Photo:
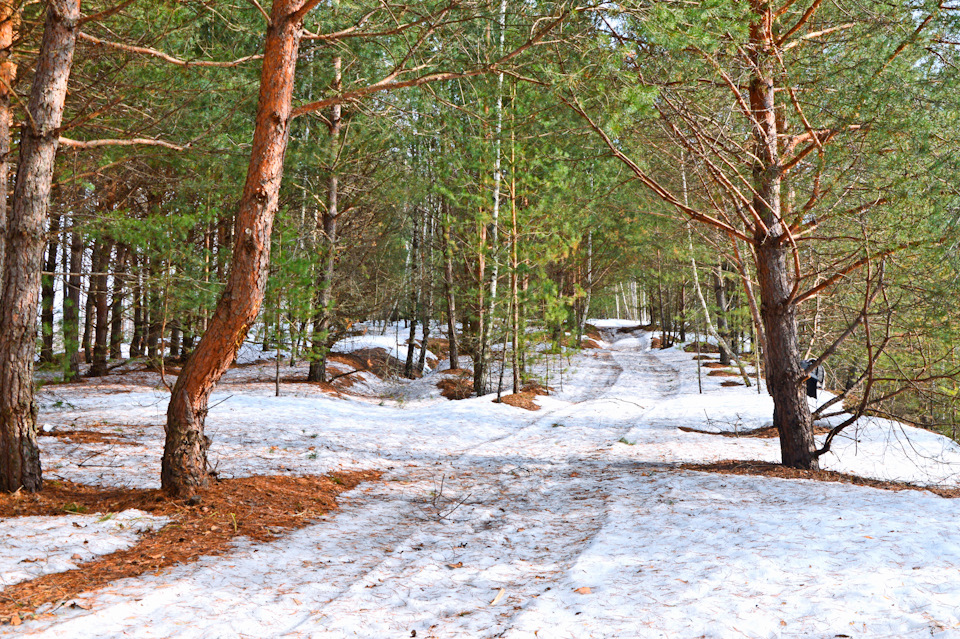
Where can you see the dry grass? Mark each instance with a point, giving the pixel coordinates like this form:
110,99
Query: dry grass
258,508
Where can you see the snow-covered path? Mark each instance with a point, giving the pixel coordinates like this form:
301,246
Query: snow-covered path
570,522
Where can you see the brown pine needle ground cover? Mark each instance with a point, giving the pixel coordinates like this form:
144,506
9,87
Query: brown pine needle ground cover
258,508
524,399
768,469
457,383
723,373
90,437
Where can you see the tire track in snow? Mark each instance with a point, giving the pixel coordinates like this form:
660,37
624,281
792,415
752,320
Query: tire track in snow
499,494
515,513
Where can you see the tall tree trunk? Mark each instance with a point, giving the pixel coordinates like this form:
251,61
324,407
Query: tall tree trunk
19,455
415,294
184,466
324,318
175,337
71,303
479,319
47,291
791,413
426,288
86,342
116,303
723,325
153,317
514,277
98,289
136,342
448,284
9,19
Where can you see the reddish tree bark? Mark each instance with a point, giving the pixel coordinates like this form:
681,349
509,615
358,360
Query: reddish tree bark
19,455
184,466
9,16
778,307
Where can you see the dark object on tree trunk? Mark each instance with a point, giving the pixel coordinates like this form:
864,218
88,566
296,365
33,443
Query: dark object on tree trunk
815,380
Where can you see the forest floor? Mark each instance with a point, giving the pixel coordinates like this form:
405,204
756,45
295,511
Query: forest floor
615,510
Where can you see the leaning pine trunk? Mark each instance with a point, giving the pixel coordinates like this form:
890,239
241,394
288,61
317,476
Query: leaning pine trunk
184,466
19,455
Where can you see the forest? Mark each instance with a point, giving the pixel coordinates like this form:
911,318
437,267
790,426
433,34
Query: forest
773,183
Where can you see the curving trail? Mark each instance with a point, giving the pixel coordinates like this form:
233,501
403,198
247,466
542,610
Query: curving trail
569,522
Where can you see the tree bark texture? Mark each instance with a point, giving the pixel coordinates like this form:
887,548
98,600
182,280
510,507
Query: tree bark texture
9,16
19,455
184,465
778,310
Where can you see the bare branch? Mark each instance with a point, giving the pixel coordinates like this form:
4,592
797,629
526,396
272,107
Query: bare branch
94,144
816,34
164,56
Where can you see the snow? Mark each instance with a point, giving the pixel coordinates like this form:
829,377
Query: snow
480,498
394,345
35,546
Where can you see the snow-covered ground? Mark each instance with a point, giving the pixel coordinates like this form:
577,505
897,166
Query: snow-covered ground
573,521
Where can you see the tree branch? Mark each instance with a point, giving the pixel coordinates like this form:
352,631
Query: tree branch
164,56
93,144
389,83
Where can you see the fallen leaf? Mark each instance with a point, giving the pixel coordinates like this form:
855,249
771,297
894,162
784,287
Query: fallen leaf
15,620
76,555
584,591
459,564
499,596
